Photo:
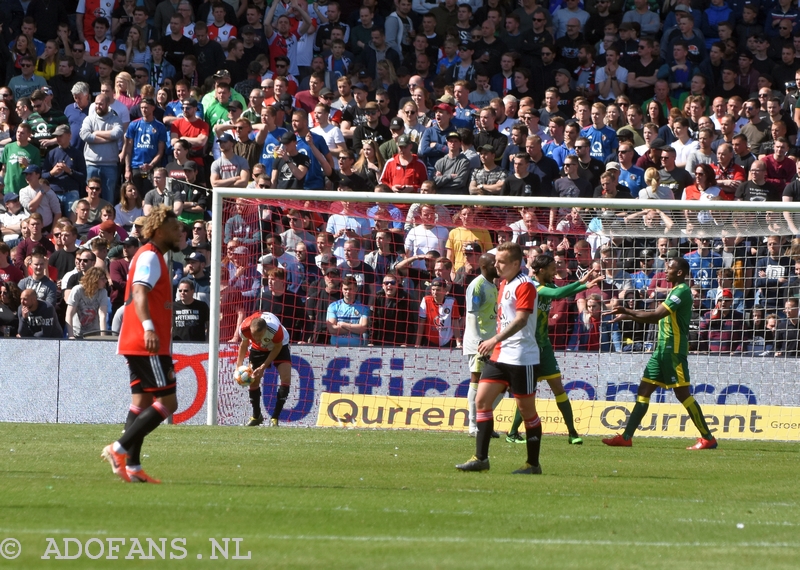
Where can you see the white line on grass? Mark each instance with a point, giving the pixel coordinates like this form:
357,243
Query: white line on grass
537,541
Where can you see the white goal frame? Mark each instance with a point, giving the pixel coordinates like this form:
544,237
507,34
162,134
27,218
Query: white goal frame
437,199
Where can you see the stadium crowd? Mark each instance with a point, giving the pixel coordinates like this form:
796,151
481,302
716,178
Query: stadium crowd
108,109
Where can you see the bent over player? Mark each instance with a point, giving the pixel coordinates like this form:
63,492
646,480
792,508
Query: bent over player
513,355
145,342
269,345
668,366
544,270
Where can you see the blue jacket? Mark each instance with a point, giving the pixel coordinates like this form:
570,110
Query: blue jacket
713,16
430,154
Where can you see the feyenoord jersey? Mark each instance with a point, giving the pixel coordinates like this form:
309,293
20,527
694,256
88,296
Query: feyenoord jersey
99,49
149,269
276,333
221,33
520,348
481,300
438,319
93,9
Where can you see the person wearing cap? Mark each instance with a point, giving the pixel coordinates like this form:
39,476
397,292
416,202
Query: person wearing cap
11,219
229,170
38,197
64,167
191,128
453,171
354,113
433,144
389,148
404,172
196,271
722,329
145,143
290,167
44,120
465,68
372,129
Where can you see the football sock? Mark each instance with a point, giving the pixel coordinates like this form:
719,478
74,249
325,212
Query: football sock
147,421
255,401
134,450
283,394
485,422
516,423
639,410
473,391
699,420
533,441
564,405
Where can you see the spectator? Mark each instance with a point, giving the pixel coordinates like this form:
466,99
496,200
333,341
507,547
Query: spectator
772,274
16,157
159,195
11,219
294,272
440,322
426,236
466,233
383,259
38,197
722,329
757,188
704,263
37,319
196,273
87,306
65,168
322,295
190,316
453,170
404,172
118,270
63,259
35,239
38,281
347,320
593,332
391,314
363,273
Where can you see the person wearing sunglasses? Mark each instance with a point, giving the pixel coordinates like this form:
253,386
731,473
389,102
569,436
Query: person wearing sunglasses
392,314
27,82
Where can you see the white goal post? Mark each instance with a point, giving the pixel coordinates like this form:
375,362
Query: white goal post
749,214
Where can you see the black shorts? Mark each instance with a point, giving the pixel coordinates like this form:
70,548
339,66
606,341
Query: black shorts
257,358
152,375
521,379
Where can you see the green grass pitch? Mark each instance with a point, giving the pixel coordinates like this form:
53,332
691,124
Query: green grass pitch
322,498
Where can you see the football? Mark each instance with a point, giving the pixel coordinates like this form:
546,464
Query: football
243,375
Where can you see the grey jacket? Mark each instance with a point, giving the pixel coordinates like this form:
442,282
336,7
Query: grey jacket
455,175
101,152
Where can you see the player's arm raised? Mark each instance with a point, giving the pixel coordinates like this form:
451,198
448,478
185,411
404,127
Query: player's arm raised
647,317
142,308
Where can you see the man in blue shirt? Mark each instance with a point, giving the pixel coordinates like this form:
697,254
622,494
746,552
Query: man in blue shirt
145,142
315,148
269,137
347,320
630,176
704,264
603,138
77,112
65,168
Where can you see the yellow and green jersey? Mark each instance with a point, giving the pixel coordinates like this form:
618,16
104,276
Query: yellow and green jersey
481,299
547,293
673,330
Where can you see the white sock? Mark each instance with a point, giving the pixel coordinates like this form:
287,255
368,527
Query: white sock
473,412
133,468
118,448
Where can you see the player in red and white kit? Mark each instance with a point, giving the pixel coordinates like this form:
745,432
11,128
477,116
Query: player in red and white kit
513,355
145,342
219,30
268,342
440,323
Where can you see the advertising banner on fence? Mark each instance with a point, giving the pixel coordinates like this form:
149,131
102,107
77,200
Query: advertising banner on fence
87,382
591,418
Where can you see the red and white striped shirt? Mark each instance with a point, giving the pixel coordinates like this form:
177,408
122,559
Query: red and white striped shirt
438,319
520,348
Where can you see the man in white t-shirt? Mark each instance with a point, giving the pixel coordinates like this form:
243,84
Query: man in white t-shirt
426,236
331,133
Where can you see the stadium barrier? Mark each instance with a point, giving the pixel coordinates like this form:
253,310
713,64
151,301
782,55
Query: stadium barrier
86,382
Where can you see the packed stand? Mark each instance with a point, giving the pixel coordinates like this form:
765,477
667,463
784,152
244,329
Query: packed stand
108,109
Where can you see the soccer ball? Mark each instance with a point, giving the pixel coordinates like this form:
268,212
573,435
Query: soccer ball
243,376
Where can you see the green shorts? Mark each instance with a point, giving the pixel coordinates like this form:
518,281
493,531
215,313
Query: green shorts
547,369
667,370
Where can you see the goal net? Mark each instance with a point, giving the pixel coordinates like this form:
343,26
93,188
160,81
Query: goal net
295,253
